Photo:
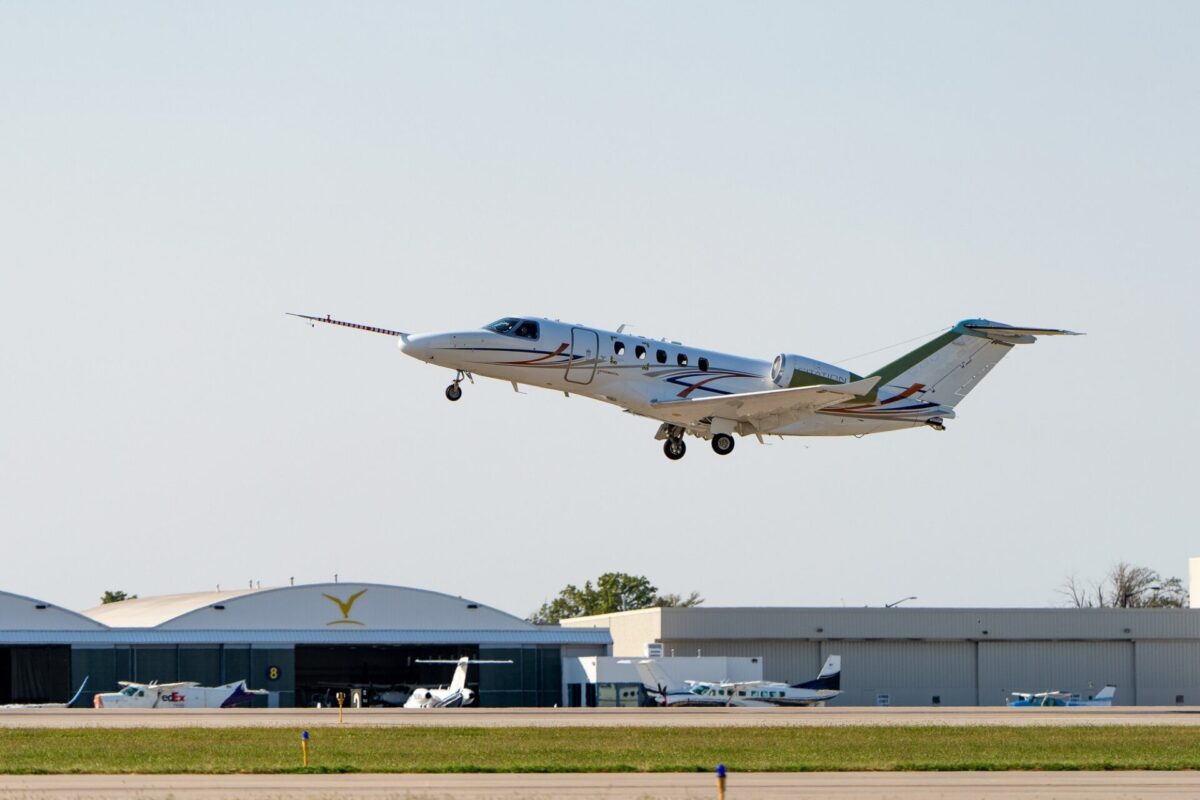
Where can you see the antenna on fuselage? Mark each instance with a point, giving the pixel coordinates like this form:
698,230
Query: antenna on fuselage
621,327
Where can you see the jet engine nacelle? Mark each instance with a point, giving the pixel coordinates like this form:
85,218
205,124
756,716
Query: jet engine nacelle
793,370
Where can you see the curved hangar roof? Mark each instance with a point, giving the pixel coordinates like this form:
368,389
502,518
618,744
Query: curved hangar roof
320,606
21,613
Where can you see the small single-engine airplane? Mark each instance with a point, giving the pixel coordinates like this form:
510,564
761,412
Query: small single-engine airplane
714,395
67,704
669,692
183,694
456,695
1103,699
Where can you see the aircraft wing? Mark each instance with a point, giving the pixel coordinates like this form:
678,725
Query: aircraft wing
753,406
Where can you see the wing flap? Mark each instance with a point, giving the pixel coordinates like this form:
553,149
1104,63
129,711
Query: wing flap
756,405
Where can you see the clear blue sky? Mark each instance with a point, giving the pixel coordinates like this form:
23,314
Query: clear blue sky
824,179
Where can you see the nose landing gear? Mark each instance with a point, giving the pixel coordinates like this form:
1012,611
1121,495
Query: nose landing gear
937,423
454,390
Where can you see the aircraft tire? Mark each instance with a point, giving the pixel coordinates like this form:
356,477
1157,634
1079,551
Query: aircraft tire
453,392
674,448
722,444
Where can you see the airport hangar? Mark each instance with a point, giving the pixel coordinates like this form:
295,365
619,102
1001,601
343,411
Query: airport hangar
294,641
936,656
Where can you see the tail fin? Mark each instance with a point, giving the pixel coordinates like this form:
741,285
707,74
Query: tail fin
459,681
942,371
82,686
830,676
1106,694
655,677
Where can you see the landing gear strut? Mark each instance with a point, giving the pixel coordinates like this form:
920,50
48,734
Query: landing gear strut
722,444
674,448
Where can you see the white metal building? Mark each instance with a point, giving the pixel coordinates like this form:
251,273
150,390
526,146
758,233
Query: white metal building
938,656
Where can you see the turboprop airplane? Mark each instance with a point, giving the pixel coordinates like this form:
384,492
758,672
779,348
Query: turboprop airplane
1103,699
826,686
456,695
712,395
183,694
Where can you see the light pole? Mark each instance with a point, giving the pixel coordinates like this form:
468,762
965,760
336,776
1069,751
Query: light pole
901,600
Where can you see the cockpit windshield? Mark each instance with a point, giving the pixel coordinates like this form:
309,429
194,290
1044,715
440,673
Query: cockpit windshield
514,326
129,691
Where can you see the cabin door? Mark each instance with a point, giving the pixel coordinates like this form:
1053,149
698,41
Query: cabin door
585,352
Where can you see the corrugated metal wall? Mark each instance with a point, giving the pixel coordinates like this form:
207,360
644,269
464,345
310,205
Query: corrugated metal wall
1083,667
910,673
783,660
1166,673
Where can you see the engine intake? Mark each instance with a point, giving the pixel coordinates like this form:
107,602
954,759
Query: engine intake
790,371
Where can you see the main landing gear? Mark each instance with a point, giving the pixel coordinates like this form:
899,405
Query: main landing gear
454,390
722,444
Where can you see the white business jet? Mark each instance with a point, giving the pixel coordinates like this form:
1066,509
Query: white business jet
714,395
456,695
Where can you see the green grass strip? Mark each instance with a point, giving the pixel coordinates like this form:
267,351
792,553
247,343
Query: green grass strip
413,749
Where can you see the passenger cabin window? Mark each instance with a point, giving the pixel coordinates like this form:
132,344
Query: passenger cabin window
660,356
640,351
703,364
681,359
619,348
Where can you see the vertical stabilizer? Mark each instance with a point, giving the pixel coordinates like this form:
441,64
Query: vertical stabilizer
459,682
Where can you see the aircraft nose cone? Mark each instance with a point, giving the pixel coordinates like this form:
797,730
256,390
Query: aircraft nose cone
420,346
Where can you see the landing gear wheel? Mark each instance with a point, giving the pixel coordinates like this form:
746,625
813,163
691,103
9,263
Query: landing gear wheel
722,444
453,392
674,448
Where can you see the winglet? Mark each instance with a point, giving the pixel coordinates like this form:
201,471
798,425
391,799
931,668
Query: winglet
331,321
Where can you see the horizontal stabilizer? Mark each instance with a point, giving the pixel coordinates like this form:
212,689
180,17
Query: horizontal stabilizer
756,405
1001,332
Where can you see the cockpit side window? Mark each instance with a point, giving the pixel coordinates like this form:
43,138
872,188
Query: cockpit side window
504,326
527,330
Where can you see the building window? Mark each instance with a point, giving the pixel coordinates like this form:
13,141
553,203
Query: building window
681,359
640,351
619,348
702,362
937,699
1179,699
661,356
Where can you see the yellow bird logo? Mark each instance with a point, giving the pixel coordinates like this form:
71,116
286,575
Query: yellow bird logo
344,606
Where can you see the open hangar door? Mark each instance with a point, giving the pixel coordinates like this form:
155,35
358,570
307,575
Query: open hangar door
35,674
374,674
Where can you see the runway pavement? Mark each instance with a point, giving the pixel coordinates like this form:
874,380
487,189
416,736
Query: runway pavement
658,786
596,717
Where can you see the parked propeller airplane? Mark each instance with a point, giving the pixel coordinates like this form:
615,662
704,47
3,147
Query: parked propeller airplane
714,395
